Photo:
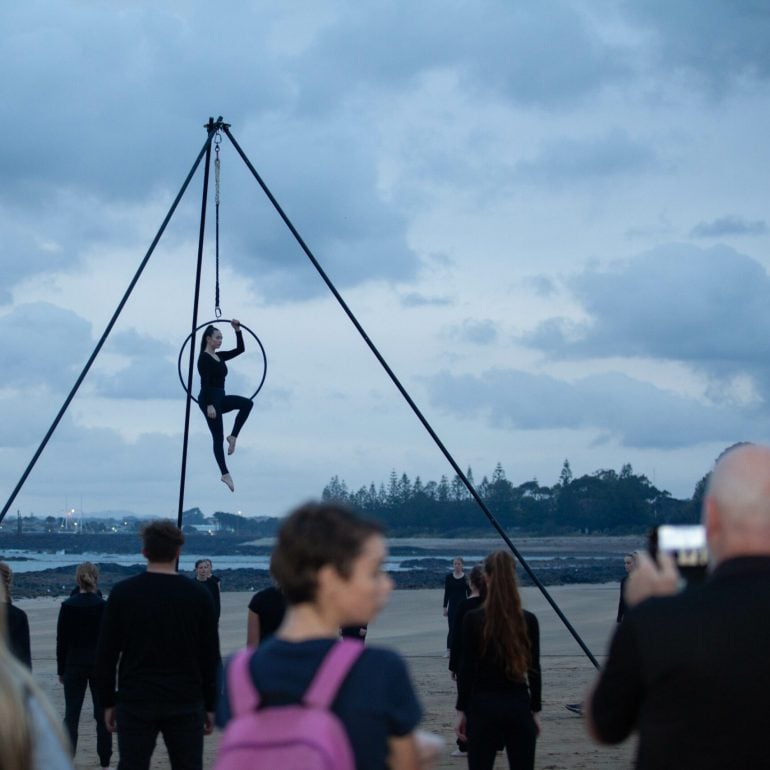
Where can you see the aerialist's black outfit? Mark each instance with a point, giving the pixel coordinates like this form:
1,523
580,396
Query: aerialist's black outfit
212,393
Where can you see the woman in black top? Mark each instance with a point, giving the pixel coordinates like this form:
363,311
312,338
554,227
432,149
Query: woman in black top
77,632
499,681
212,399
455,591
212,583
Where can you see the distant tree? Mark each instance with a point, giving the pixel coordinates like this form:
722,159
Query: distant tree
442,493
565,477
403,489
335,490
458,490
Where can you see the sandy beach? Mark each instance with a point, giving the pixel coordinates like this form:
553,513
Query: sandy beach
413,624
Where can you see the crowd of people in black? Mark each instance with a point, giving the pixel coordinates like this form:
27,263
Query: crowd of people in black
686,669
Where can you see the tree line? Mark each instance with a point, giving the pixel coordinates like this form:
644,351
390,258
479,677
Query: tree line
606,501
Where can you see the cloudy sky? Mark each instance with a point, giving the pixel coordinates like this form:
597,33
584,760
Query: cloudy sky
551,218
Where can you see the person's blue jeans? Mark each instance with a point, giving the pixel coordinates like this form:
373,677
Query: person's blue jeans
75,680
181,726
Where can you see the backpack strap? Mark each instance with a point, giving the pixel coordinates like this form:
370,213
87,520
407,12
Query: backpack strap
332,672
241,692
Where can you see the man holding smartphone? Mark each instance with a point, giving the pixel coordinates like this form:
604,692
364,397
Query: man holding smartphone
690,670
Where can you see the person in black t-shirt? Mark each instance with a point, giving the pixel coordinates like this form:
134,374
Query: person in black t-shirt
211,582
266,610
159,633
213,401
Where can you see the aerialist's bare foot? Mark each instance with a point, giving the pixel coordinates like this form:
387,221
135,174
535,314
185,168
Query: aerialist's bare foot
228,479
231,444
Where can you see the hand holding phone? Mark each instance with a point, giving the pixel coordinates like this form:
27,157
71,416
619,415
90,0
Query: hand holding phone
649,579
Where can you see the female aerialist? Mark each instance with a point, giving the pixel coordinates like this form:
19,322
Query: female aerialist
212,399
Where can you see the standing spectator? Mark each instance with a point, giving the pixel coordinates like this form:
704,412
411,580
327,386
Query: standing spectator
329,564
162,629
17,624
266,611
203,574
474,601
628,562
689,671
77,632
30,737
455,590
499,682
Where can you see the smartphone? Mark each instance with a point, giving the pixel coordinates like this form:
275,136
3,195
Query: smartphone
686,543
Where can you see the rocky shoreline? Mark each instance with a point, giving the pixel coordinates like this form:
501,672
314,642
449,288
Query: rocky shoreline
555,560
559,571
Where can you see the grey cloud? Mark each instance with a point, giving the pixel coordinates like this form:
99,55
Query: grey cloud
535,54
151,370
709,308
619,407
117,472
130,130
44,345
542,285
477,332
728,225
415,299
576,159
716,41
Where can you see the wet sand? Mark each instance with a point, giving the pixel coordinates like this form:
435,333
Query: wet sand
413,624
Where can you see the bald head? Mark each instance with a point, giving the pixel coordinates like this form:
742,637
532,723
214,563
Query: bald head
736,509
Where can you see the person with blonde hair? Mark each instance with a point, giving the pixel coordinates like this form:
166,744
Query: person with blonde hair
499,681
77,632
30,738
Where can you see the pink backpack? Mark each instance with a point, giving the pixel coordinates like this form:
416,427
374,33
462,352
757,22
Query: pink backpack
302,736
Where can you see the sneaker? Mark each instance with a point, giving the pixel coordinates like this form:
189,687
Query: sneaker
575,708
458,753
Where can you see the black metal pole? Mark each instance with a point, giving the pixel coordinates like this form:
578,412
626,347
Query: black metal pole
105,334
471,489
212,128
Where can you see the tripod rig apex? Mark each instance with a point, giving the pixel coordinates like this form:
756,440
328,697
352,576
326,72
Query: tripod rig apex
215,125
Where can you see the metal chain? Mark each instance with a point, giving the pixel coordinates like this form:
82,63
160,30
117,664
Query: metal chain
217,142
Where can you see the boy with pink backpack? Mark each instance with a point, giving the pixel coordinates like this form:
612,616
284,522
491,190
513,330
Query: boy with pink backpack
305,699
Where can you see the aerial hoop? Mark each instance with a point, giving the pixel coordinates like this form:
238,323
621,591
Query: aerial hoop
224,321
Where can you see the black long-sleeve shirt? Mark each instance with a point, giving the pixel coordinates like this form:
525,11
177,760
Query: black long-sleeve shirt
17,629
455,590
483,672
163,629
77,631
213,372
455,651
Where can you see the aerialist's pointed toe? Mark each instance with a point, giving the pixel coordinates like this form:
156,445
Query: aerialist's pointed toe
231,444
228,480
